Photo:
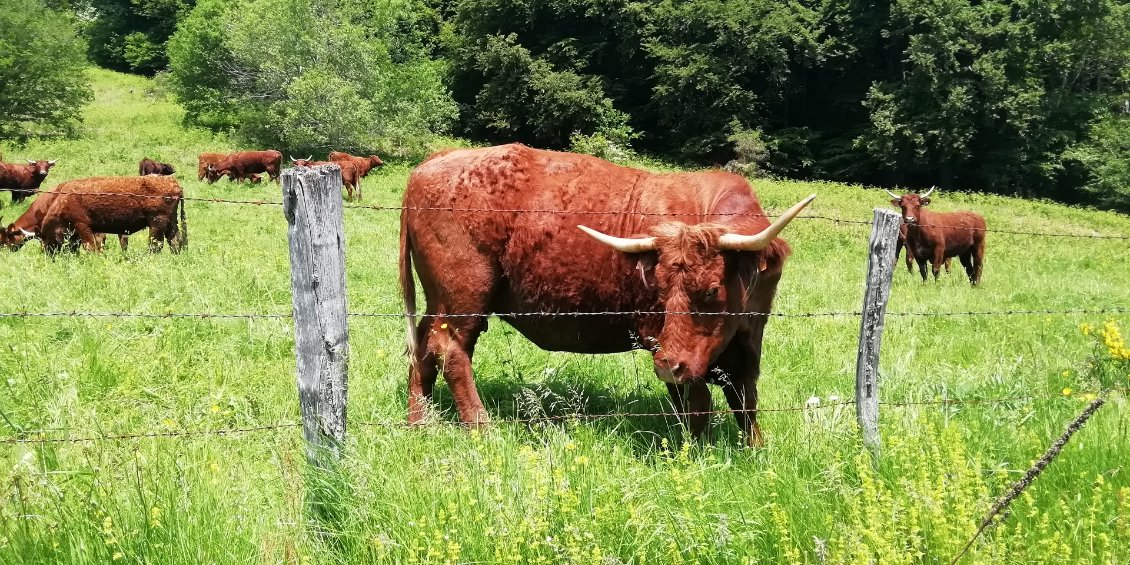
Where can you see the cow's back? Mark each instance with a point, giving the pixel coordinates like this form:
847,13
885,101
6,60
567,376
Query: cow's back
116,204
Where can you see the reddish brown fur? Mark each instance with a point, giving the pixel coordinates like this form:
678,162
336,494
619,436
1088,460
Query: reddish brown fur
901,243
350,174
206,159
363,164
23,180
936,236
31,221
496,262
112,205
148,166
240,165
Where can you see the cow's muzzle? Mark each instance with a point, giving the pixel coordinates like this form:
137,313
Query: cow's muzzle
670,370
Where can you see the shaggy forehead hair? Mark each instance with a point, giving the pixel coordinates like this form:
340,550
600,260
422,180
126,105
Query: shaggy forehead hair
680,242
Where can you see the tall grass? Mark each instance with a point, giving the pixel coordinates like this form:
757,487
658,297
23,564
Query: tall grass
609,491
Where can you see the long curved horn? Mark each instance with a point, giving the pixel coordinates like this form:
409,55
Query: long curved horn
929,191
31,161
27,233
893,195
310,158
52,161
738,242
625,244
292,159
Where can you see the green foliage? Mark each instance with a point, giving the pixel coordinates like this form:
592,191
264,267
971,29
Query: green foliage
324,78
750,151
43,86
130,35
1106,158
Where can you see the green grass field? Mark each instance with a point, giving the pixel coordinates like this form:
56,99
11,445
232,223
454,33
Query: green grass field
622,490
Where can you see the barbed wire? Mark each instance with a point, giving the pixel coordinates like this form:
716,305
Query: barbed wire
378,207
35,437
284,315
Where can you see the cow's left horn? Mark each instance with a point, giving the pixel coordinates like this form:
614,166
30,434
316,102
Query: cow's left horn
625,244
893,195
31,161
929,191
738,242
27,233
52,161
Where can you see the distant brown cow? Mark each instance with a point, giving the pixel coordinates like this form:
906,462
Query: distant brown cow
148,166
121,205
242,164
364,164
29,224
935,236
23,180
205,159
350,175
694,252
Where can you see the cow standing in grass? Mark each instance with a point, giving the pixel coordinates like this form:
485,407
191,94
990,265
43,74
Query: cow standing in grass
206,159
363,164
350,173
696,245
23,180
121,205
901,243
30,223
936,236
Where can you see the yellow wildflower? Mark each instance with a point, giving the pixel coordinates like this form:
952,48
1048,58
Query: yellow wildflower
117,555
215,408
570,446
1085,329
1067,391
1066,374
443,326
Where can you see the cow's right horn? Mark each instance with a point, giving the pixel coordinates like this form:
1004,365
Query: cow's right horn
31,161
625,244
893,195
738,242
929,191
27,233
292,159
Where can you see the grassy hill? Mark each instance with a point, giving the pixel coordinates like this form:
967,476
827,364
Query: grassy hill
622,490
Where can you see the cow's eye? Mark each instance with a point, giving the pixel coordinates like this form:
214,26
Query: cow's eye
712,292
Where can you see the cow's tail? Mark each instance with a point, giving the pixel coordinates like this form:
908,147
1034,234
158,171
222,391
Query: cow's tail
408,289
182,233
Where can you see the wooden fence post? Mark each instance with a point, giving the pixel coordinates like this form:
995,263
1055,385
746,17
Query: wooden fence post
313,209
880,268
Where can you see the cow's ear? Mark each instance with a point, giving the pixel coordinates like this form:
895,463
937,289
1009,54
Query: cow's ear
896,203
645,265
926,201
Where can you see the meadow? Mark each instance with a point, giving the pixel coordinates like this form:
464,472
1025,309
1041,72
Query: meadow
616,490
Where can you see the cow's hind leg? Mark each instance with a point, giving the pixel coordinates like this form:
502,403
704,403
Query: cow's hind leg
978,260
692,405
157,230
452,342
967,263
422,373
921,267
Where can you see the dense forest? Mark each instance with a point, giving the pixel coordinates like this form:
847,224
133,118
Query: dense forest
1026,97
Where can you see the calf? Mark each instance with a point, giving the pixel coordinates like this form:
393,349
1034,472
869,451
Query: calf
350,174
148,166
241,165
29,224
121,205
23,180
205,159
935,236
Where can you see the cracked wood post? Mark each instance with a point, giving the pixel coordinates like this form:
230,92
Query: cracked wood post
880,269
316,233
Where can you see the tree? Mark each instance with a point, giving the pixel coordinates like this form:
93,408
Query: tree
43,85
131,35
324,78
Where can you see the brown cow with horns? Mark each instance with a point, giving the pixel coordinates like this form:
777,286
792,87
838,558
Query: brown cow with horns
697,246
937,236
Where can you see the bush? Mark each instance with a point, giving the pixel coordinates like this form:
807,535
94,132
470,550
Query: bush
322,78
750,152
131,35
43,86
1106,158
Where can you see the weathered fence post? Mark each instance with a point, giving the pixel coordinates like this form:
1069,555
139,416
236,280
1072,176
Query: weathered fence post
880,268
313,210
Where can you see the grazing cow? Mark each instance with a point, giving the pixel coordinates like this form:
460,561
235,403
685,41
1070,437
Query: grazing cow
364,164
121,205
936,236
682,243
23,180
910,254
350,174
29,224
240,165
148,166
205,159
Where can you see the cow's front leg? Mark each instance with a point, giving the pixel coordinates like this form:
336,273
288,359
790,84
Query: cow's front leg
692,405
938,259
